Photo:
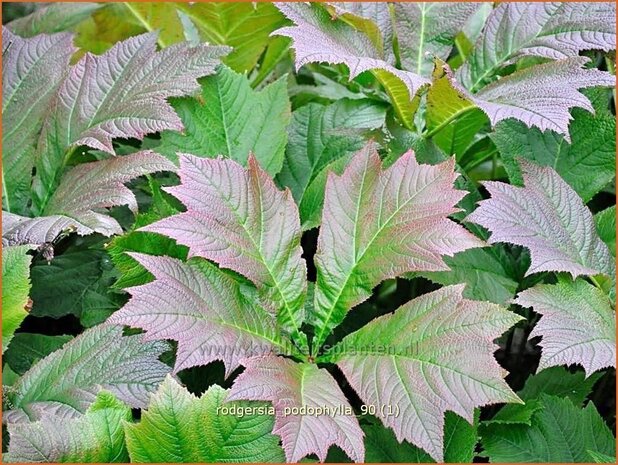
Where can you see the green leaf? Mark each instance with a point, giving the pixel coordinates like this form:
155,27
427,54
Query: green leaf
66,382
606,227
601,458
15,289
231,119
97,436
244,26
560,432
26,349
55,17
323,139
587,164
157,16
78,283
486,273
180,427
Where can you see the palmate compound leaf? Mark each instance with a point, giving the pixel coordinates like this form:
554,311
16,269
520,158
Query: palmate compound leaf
83,192
578,324
180,427
311,412
433,354
202,308
239,219
15,289
232,120
32,70
97,436
317,38
65,383
545,29
549,218
378,224
121,93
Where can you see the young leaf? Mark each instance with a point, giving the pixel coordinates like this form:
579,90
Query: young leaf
55,17
119,94
238,218
15,289
202,308
320,138
97,436
31,72
179,427
444,362
28,348
560,432
317,38
592,149
232,120
549,218
378,224
578,324
66,382
427,30
548,30
293,386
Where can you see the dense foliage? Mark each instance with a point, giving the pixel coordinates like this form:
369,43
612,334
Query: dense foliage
363,232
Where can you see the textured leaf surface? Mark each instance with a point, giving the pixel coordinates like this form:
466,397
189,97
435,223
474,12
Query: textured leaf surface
238,218
444,362
560,432
549,218
290,385
322,138
179,427
97,436
379,224
592,150
427,30
56,17
15,289
318,39
66,382
541,96
232,120
549,29
119,94
203,309
28,348
578,324
32,70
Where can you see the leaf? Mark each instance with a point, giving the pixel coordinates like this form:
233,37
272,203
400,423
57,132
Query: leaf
379,224
549,30
28,348
578,324
158,16
460,440
319,137
119,94
317,38
232,120
560,432
605,222
202,308
97,436
15,289
18,230
427,30
65,383
291,386
32,70
444,362
179,427
484,271
244,27
549,218
237,218
601,458
592,150
56,17
77,282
